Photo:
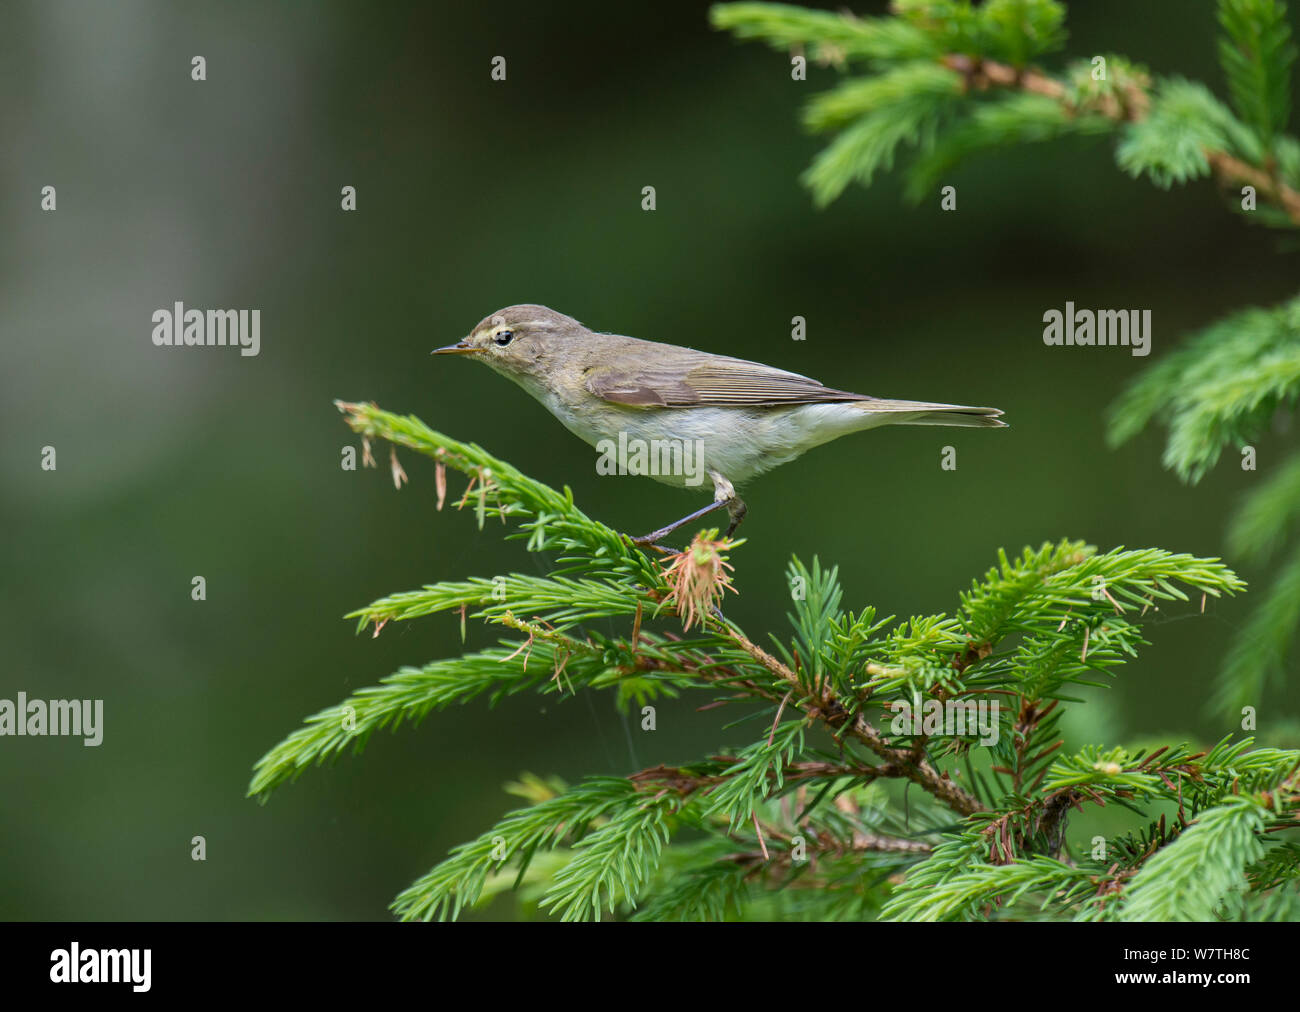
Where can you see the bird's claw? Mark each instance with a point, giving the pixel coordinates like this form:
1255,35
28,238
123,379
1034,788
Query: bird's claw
650,541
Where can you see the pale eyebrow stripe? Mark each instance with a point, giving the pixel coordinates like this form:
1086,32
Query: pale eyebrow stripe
547,324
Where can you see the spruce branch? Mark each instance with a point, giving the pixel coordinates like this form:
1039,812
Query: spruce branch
898,761
939,74
1257,654
1190,878
549,519
1256,54
783,826
559,600
946,79
1219,391
411,693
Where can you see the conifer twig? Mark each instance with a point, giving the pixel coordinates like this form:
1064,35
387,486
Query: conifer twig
985,74
901,762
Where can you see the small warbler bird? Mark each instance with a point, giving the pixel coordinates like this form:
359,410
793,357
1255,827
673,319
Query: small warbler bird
726,417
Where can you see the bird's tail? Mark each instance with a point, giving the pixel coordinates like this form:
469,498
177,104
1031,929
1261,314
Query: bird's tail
925,413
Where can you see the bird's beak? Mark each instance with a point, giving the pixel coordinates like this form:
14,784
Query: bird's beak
459,348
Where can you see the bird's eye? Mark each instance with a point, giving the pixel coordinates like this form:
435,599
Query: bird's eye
504,337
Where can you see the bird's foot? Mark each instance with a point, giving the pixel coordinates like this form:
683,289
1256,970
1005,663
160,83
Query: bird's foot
651,540
736,510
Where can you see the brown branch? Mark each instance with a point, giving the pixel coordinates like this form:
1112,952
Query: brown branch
985,74
863,843
1230,169
898,761
686,783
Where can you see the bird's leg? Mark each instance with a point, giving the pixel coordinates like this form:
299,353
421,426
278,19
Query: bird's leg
736,510
654,537
724,492
724,495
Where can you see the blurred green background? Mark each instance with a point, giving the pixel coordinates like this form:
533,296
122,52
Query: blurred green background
472,195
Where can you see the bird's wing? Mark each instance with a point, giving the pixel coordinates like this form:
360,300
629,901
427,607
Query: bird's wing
687,378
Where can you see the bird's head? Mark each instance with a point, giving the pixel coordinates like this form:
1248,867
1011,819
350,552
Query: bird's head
519,341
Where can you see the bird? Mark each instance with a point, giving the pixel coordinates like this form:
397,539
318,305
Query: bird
730,418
